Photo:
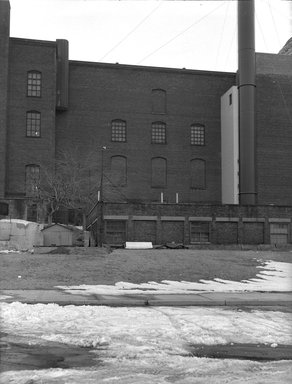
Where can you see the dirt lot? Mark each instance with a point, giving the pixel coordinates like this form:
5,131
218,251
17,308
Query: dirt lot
100,266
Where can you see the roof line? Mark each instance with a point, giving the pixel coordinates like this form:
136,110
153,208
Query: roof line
32,41
151,68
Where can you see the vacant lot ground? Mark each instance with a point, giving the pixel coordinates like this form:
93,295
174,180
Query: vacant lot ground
99,266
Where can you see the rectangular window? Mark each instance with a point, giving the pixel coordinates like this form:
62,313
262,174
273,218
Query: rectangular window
32,178
230,99
119,130
197,135
33,124
32,212
199,232
279,233
158,133
115,231
34,83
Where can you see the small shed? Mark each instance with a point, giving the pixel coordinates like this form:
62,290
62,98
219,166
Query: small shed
57,234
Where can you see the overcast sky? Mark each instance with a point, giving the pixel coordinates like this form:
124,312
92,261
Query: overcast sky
192,34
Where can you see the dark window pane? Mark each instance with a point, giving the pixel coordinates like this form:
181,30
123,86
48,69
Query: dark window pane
200,232
33,124
32,177
197,135
115,231
119,130
158,133
34,82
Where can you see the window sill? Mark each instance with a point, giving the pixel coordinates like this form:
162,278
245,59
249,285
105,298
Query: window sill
33,137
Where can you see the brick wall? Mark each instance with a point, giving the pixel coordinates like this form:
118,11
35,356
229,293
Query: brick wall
226,232
274,139
26,55
165,223
100,93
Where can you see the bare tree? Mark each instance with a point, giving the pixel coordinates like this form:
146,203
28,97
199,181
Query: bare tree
71,183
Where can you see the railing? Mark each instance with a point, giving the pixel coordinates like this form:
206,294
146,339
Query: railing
93,215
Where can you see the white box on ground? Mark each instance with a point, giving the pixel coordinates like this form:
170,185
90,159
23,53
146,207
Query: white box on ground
139,245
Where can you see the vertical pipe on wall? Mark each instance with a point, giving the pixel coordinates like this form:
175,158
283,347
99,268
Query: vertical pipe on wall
101,200
246,89
62,74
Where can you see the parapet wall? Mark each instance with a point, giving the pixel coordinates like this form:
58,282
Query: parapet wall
115,223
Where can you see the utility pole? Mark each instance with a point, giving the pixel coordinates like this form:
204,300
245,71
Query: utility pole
101,225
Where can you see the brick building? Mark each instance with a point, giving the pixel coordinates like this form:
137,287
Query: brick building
167,133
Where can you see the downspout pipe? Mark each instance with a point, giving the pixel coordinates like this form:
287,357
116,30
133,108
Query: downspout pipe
246,92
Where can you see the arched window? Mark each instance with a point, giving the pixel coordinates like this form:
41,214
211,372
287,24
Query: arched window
158,97
119,170
34,83
158,133
197,134
158,172
198,174
32,179
119,130
33,124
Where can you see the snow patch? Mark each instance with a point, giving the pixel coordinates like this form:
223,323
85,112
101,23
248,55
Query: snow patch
275,277
17,221
6,251
148,345
144,326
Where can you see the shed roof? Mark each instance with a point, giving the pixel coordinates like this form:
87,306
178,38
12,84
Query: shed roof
58,225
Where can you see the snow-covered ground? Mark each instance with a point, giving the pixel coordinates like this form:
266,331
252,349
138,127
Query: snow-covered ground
272,277
149,344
